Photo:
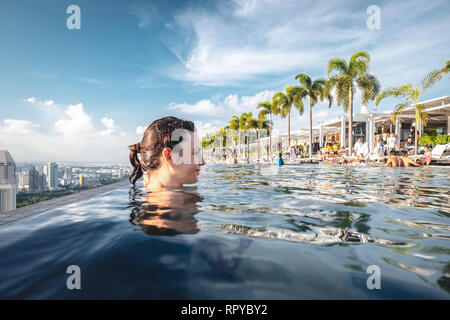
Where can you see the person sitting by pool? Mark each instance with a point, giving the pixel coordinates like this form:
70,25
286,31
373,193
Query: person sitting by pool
394,160
327,148
231,159
406,161
170,154
280,160
409,146
320,155
361,148
292,154
335,148
427,156
342,157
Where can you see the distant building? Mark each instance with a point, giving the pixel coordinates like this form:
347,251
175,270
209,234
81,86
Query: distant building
52,176
33,176
8,187
24,180
68,173
83,181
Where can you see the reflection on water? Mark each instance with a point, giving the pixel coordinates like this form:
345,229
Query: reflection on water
167,212
244,232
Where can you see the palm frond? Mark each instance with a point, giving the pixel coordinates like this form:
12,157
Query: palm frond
304,80
393,92
369,86
359,63
399,109
337,64
446,68
430,79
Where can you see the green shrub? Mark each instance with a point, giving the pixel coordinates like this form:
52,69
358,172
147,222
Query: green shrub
433,140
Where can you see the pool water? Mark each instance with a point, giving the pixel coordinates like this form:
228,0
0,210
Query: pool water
245,231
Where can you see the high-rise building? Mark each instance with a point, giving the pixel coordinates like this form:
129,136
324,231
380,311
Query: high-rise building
67,175
83,181
24,180
8,187
33,175
52,176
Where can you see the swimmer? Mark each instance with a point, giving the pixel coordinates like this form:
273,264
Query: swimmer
280,159
165,162
408,161
394,160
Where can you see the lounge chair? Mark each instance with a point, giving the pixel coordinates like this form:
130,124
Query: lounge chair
441,153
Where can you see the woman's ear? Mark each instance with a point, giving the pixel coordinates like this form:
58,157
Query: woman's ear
167,156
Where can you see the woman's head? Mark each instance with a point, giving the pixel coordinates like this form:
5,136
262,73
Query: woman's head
170,152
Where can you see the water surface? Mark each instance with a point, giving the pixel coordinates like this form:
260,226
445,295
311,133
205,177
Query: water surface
246,231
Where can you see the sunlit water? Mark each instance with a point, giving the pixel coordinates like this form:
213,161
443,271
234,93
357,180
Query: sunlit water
245,231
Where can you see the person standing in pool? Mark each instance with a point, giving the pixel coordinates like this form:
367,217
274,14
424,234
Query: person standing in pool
170,154
280,159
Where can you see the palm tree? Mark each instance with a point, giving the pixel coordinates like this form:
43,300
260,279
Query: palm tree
259,124
223,133
313,90
267,108
234,125
348,77
411,94
282,103
243,125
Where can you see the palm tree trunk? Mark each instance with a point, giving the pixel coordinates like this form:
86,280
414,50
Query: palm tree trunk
310,129
257,135
248,145
415,134
289,128
350,122
270,138
239,143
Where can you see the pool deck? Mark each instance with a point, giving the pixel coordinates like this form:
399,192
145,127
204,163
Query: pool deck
34,209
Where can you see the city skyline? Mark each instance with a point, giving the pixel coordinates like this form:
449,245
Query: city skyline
85,95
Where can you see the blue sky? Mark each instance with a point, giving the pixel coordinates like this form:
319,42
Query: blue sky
86,94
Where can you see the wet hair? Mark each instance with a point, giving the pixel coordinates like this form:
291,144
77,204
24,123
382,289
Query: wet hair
157,136
393,153
403,152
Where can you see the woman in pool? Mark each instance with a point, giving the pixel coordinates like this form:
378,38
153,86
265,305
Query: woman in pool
170,154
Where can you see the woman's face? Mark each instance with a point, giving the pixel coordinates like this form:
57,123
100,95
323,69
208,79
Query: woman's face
188,158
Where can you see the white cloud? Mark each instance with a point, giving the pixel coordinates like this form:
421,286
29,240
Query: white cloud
20,126
231,104
204,107
75,122
140,130
46,103
245,40
204,128
108,123
72,137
